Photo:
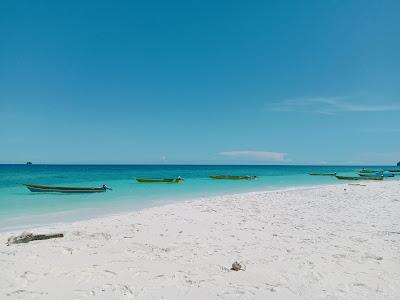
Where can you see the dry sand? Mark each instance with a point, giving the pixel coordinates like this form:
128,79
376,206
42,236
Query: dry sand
337,242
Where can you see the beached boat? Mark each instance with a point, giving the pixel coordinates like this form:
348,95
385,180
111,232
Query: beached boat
154,180
233,177
59,189
322,174
358,178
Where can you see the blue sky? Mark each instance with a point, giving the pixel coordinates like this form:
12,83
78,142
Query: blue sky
264,82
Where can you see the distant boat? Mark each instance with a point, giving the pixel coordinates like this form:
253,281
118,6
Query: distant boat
29,163
232,177
393,171
358,178
322,174
59,189
376,174
165,180
369,171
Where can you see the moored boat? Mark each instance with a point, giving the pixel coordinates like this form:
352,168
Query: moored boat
376,174
59,189
393,171
358,178
322,174
369,171
164,180
233,177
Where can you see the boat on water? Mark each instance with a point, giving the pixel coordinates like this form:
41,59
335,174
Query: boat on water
393,171
358,178
232,177
369,171
322,174
164,180
376,174
59,189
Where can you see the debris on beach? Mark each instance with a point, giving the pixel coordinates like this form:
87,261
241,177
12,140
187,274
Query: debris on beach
236,266
27,237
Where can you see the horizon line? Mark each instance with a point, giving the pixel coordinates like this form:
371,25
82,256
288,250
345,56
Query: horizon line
193,164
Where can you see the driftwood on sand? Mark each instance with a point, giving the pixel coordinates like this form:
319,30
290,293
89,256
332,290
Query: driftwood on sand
27,237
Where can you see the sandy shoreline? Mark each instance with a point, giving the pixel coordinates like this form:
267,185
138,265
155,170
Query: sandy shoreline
334,242
86,214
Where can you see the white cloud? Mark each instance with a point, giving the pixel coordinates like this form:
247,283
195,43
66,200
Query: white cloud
256,155
330,105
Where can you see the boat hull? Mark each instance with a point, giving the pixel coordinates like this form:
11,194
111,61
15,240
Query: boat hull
376,175
156,180
364,171
358,178
231,177
322,174
58,189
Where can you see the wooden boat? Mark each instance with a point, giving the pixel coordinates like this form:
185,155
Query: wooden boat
59,189
322,174
370,171
232,177
376,174
154,180
358,178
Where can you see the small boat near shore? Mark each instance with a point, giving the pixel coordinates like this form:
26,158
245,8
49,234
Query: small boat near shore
59,189
376,174
232,177
358,178
369,171
322,174
162,180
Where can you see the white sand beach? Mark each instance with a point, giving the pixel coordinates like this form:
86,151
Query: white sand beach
335,242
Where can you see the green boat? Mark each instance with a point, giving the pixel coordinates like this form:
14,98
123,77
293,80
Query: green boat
322,174
162,180
358,178
232,177
388,174
60,189
370,171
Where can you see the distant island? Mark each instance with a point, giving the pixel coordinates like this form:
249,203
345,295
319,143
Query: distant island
398,164
29,163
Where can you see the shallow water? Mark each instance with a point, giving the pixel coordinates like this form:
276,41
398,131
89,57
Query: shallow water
21,208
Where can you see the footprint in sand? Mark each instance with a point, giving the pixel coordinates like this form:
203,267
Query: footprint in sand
372,256
29,277
358,239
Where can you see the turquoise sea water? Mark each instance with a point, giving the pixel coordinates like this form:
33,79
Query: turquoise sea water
21,208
